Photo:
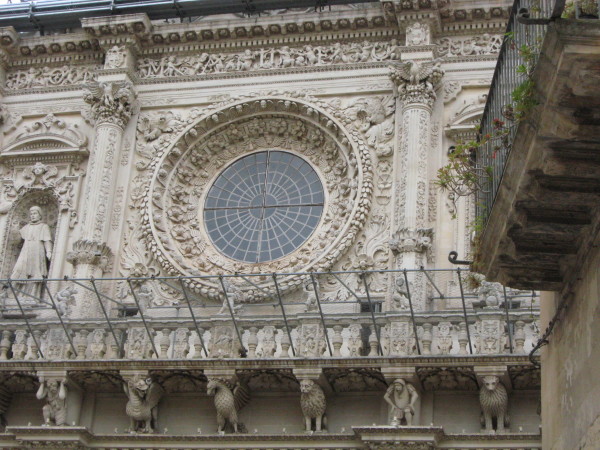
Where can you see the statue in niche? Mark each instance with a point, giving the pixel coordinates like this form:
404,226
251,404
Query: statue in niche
401,396
35,254
55,394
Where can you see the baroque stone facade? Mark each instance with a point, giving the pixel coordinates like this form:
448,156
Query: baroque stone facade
155,154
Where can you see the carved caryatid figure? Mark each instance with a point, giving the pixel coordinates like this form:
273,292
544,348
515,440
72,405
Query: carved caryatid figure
55,394
401,396
32,262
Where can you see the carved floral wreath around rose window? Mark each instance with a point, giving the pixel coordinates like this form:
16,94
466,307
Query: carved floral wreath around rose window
183,171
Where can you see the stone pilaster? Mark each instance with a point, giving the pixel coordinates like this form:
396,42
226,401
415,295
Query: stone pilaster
411,239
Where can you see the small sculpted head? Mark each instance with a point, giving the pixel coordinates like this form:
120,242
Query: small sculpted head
399,385
491,382
306,386
35,214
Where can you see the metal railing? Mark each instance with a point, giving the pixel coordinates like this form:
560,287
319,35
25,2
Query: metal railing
335,314
526,29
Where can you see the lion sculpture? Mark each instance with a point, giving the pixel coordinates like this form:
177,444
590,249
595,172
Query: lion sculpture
494,404
312,402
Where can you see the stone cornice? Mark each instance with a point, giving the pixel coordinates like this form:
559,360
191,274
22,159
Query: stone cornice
259,364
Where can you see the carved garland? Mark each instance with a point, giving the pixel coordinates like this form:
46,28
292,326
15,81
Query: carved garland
182,172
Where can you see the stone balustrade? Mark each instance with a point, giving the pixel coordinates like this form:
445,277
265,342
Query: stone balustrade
348,336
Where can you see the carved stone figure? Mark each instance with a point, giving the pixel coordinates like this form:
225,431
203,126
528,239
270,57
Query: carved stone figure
233,295
142,407
228,401
32,262
65,299
494,404
400,296
110,102
490,294
310,304
55,394
402,397
313,404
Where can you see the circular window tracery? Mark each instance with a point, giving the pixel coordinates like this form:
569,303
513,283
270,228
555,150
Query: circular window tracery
263,206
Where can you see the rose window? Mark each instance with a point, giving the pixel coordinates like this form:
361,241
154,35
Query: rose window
263,206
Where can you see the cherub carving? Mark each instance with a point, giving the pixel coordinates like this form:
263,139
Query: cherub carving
55,394
310,304
142,407
400,296
402,397
65,299
233,295
40,175
313,404
494,404
228,401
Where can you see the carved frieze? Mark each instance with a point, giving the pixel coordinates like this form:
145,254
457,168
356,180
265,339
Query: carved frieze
485,44
43,77
284,57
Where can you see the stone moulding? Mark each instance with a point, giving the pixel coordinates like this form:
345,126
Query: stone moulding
173,195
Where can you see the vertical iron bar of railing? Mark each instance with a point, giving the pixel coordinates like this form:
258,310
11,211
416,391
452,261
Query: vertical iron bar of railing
508,323
62,323
314,283
187,300
235,325
412,312
120,345
37,344
143,318
372,310
464,306
375,329
285,321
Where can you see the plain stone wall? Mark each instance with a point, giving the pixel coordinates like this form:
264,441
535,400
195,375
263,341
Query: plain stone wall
571,367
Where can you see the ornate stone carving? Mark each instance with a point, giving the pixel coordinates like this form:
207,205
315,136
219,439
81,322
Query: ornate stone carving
490,336
115,57
407,240
485,44
97,346
448,379
181,346
490,295
143,395
402,398
90,252
232,295
311,341
50,76
400,295
310,302
179,166
374,116
224,342
355,342
19,346
494,404
399,338
110,102
313,404
228,401
56,345
417,34
32,262
444,338
284,57
138,344
417,81
54,392
65,299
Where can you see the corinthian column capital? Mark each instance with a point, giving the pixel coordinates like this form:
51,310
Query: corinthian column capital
417,81
110,102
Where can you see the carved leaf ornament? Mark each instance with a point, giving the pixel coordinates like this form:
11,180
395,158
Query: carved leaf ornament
184,168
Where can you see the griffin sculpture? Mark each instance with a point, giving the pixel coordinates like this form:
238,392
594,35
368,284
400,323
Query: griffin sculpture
142,407
228,401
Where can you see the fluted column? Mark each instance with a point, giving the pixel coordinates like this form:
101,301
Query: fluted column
111,105
412,238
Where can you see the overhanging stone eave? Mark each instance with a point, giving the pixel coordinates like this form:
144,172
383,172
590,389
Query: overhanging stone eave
566,40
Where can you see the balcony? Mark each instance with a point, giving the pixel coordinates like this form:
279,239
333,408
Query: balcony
541,209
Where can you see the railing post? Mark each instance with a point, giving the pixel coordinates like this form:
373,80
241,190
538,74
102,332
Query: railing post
37,344
285,321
